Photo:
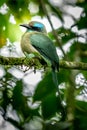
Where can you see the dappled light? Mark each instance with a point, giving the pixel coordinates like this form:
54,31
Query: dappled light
29,99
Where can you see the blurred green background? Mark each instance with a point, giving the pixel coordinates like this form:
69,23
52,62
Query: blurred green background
27,104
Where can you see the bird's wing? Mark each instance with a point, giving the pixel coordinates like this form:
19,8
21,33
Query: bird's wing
45,46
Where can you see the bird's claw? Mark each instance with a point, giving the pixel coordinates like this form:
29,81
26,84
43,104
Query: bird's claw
31,55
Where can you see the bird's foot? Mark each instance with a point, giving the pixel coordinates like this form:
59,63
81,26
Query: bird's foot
31,55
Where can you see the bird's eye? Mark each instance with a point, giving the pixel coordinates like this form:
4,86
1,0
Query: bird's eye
36,28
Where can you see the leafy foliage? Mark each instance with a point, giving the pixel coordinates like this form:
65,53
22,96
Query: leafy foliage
41,109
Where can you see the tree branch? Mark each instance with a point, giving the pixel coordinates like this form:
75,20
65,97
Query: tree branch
40,63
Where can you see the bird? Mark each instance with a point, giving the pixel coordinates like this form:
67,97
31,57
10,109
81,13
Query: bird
36,41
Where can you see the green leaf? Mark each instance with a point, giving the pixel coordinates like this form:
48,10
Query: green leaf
82,4
46,93
11,30
50,105
6,91
19,9
18,99
81,106
72,52
82,23
45,87
2,2
66,34
5,101
20,102
82,49
58,126
62,76
81,115
3,24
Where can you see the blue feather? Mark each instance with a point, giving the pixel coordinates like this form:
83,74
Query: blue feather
38,25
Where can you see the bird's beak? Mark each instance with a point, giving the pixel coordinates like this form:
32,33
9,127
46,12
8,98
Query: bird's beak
26,26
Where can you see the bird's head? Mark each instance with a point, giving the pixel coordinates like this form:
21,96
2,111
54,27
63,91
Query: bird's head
35,26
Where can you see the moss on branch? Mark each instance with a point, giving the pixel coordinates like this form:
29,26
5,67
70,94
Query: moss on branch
40,63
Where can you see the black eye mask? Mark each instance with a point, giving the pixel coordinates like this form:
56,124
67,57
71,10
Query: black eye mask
36,29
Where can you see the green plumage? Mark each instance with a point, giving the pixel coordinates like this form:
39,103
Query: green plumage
46,48
44,45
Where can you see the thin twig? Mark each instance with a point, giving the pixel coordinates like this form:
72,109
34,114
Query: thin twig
54,32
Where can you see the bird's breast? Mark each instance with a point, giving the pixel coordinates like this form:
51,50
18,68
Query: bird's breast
26,44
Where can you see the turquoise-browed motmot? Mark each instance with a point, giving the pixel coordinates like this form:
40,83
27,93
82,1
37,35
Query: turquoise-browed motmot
35,40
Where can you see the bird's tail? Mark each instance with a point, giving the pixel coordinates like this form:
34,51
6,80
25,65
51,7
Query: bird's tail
55,80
